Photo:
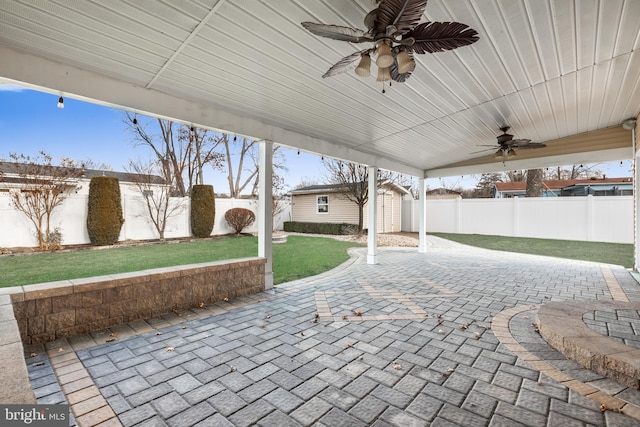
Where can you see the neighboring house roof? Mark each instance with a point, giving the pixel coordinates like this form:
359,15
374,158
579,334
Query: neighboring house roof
338,188
441,191
558,184
8,170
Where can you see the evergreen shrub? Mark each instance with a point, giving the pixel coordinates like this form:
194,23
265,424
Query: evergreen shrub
319,227
203,210
104,216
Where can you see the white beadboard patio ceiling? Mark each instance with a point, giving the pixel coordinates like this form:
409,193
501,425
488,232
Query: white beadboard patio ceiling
550,69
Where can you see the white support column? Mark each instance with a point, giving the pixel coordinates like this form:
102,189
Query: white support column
636,201
265,217
372,238
422,220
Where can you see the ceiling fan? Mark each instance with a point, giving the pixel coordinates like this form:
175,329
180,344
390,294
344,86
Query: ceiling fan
507,145
393,28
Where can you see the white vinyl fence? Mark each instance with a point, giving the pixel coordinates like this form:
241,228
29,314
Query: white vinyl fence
597,219
71,218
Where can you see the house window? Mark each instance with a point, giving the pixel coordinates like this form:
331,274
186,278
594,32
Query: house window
322,203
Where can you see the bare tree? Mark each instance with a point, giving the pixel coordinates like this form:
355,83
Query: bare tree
351,180
306,182
279,202
41,188
182,151
574,172
235,169
200,151
158,200
486,184
534,183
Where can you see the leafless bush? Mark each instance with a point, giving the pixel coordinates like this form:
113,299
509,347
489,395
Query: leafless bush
239,218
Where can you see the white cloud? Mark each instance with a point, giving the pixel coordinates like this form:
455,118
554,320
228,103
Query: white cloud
8,87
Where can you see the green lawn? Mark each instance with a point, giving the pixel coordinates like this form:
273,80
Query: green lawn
610,253
301,256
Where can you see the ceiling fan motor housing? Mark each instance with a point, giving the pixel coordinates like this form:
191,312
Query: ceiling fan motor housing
504,138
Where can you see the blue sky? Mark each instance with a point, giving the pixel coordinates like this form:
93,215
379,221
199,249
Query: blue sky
30,121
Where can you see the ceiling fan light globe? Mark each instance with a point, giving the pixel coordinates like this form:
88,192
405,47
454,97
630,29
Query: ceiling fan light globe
384,74
498,154
405,62
364,67
385,58
511,153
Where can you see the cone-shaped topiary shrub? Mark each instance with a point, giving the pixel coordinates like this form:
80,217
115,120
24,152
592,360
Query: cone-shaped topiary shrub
104,217
203,210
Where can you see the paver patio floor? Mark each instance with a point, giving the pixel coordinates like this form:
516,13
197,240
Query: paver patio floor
406,342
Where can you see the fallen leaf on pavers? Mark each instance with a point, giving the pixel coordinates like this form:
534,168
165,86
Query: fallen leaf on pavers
441,331
184,327
357,312
110,339
233,368
170,349
34,354
268,316
397,366
451,370
301,333
158,333
61,350
603,408
463,327
344,317
478,335
361,358
225,299
349,345
535,327
263,326
202,305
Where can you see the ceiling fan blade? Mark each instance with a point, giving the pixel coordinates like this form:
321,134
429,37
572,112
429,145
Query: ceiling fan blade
337,32
485,150
345,64
370,19
431,37
403,14
524,144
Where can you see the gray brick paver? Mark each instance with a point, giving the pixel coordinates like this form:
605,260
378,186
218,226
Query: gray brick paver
251,414
192,415
203,392
297,372
283,400
170,405
226,402
278,419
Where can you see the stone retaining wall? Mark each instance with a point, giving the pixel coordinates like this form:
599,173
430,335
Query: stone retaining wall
45,312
